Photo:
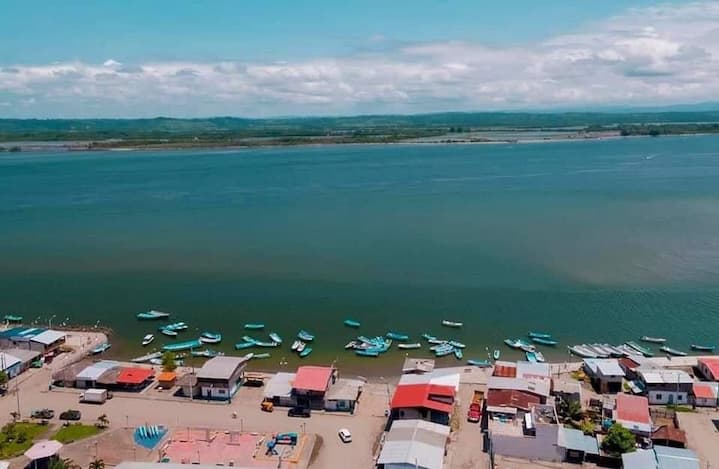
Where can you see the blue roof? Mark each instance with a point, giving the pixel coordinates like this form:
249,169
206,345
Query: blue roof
576,440
21,332
676,458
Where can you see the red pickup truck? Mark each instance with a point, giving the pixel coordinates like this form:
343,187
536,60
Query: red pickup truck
474,414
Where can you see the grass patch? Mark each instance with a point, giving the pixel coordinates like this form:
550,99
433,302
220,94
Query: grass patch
75,432
679,408
16,438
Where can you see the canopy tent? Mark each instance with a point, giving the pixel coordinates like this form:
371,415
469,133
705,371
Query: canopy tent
43,449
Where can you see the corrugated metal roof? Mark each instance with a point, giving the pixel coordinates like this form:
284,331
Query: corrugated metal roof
344,390
48,337
8,361
605,366
313,378
94,371
675,458
220,367
415,442
640,459
574,439
438,377
280,385
530,370
539,387
23,354
664,376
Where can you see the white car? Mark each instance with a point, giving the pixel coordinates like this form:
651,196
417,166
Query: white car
345,435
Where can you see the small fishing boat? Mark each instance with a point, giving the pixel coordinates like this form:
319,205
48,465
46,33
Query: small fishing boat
456,344
176,326
444,351
168,332
147,340
452,324
703,348
517,343
543,341
397,336
301,346
12,318
100,348
531,357
437,341
539,335
305,336
261,355
153,315
352,344
247,338
351,323
672,351
428,337
158,361
458,353
528,348
643,350
496,354
260,343
210,337
254,326
367,353
598,350
305,352
653,340
244,345
416,345
275,337
539,356
147,358
176,347
480,363
207,353
439,346
295,345
582,351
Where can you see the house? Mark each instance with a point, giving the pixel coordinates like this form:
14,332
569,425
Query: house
709,367
633,413
10,364
509,439
220,377
568,391
279,390
577,446
706,394
669,435
414,444
629,365
311,384
32,338
661,457
539,388
440,377
27,357
432,402
342,395
134,378
47,341
522,369
663,386
605,374
508,401
89,376
167,379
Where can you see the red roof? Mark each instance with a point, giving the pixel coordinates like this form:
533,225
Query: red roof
704,390
313,378
713,365
633,409
667,433
134,375
628,363
505,371
430,396
511,398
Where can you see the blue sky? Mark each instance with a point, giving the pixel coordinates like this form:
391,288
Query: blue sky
190,58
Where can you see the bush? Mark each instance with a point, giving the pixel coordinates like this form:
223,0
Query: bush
619,440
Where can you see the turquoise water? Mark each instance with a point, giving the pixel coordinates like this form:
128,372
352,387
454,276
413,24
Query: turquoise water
596,240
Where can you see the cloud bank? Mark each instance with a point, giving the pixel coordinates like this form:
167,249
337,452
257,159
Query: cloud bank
660,55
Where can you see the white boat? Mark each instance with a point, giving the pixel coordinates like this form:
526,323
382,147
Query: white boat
275,337
147,358
581,351
301,346
452,323
295,345
539,356
409,346
169,332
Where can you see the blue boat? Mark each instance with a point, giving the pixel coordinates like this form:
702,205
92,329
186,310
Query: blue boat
543,341
176,347
305,336
367,353
458,353
100,348
305,352
260,355
244,345
480,363
254,326
153,315
397,336
428,337
210,337
539,335
352,323
207,353
456,344
531,357
441,352
260,343
247,338
703,348
275,337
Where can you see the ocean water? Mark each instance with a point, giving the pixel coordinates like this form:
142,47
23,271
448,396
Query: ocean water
601,240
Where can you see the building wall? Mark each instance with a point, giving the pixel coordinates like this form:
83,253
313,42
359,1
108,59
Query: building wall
543,447
215,392
702,402
340,405
667,397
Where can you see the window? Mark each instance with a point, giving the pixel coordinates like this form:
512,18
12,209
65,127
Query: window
679,397
222,391
658,395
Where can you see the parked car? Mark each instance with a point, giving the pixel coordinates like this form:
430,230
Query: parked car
299,412
71,415
345,435
44,414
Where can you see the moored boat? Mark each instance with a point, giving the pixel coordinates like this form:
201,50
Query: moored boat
351,323
703,348
672,351
295,345
12,318
531,357
513,343
152,314
653,340
496,354
352,344
244,345
254,326
210,337
207,353
539,335
416,345
147,358
456,344
176,347
147,340
397,336
305,336
480,363
582,351
643,350
436,341
100,348
158,361
247,338
301,346
458,353
444,351
305,352
260,343
428,337
454,324
539,356
261,355
275,337
367,353
168,332
543,341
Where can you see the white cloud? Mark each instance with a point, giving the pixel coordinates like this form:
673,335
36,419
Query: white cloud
657,55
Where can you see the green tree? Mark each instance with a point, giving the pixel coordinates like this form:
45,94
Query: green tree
102,421
168,361
97,464
619,440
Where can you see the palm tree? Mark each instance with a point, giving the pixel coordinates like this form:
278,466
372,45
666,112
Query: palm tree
63,463
103,421
97,464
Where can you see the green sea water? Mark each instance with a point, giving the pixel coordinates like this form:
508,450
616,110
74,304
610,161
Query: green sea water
602,240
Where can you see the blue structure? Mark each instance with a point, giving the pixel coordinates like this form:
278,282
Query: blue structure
148,436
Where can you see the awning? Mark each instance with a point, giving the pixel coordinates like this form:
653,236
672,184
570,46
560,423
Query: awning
43,449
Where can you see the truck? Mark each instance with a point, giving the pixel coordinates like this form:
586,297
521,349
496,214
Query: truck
94,396
474,414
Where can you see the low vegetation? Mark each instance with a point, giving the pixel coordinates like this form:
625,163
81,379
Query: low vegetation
74,432
619,440
16,438
168,361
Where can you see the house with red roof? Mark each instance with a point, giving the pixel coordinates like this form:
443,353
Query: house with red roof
709,367
705,394
633,413
430,402
310,385
135,378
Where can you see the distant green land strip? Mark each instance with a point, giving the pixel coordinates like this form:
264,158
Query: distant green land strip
89,134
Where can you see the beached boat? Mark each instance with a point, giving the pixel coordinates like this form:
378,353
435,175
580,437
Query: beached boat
539,335
12,318
210,337
397,336
260,355
247,338
351,323
452,323
528,348
653,340
643,350
616,352
207,353
543,341
456,344
598,350
458,353
672,351
100,348
178,346
244,345
153,315
581,351
513,343
168,332
409,346
496,354
147,340
254,326
158,361
428,337
367,353
531,357
305,336
480,363
301,346
275,337
703,348
539,356
304,353
147,358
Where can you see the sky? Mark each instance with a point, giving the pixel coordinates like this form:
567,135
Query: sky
184,58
